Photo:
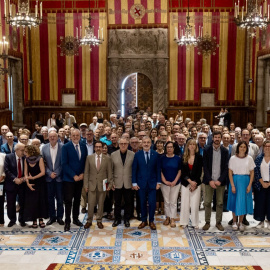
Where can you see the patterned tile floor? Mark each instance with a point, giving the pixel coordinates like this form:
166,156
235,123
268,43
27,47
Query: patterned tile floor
29,248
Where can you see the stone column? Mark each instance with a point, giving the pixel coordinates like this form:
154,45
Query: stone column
17,89
247,65
260,115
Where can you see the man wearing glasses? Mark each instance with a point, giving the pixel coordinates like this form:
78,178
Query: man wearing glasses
122,160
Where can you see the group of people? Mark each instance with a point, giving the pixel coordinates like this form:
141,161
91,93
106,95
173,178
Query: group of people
143,162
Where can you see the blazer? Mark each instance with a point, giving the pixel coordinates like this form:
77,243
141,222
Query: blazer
122,174
5,148
253,150
207,164
93,179
71,164
1,139
143,174
195,173
46,153
10,167
72,120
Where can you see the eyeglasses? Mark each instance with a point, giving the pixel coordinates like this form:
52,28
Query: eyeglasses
123,143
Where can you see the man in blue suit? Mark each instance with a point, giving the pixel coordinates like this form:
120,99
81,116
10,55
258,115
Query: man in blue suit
4,131
74,155
8,147
52,156
146,178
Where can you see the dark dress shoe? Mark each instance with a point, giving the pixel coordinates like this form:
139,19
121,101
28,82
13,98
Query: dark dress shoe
230,222
84,210
11,223
109,216
116,223
77,222
51,221
87,225
142,225
100,225
67,227
152,226
60,221
127,224
245,222
23,224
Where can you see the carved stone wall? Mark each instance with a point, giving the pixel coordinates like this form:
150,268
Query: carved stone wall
143,51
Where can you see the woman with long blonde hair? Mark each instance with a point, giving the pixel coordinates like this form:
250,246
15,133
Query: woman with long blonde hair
191,184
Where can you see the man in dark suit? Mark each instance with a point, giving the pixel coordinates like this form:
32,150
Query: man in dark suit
8,147
52,156
215,165
146,178
74,154
14,183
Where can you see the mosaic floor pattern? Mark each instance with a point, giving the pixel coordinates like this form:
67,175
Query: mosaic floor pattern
166,246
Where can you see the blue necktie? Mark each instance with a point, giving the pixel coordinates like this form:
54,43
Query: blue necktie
77,150
147,158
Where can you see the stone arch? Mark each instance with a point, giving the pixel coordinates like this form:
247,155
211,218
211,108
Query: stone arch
150,60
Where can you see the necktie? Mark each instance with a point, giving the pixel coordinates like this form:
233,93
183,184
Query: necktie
182,150
98,162
19,168
77,150
147,158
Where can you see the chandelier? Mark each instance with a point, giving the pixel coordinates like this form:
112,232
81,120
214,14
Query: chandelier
207,45
69,46
22,17
3,55
252,15
90,39
186,37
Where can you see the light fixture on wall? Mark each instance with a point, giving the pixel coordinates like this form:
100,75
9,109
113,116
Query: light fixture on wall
252,16
23,17
89,38
186,37
69,46
3,55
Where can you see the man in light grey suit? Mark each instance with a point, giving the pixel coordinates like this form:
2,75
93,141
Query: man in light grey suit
98,168
52,156
122,182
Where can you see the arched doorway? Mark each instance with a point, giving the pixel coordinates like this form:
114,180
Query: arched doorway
136,91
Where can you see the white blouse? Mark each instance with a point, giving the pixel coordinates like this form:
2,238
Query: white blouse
241,166
265,170
2,161
51,122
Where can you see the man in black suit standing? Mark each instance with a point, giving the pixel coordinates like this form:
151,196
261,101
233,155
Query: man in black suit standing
215,165
14,183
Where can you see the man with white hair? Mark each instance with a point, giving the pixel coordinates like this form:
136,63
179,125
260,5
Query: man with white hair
15,184
93,126
155,120
73,156
52,156
267,134
113,120
259,139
